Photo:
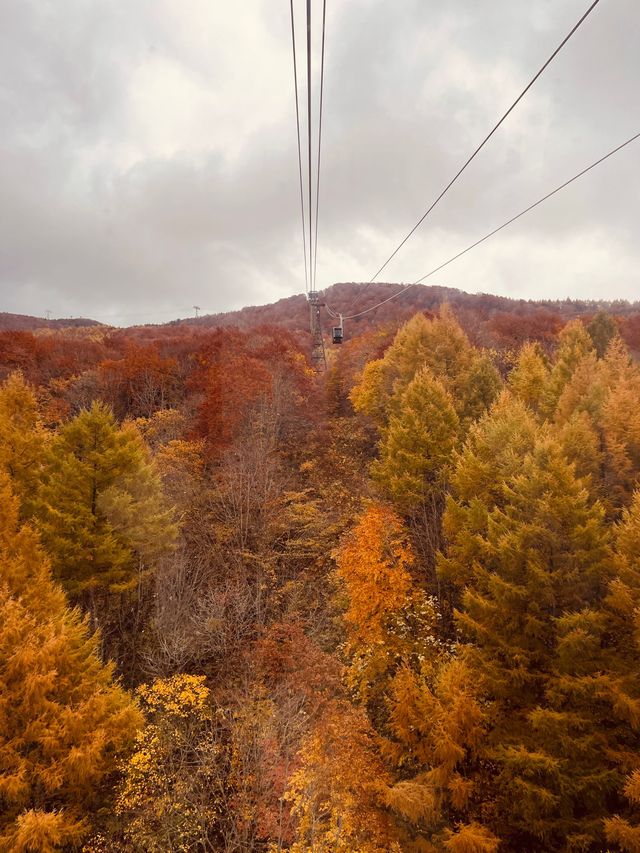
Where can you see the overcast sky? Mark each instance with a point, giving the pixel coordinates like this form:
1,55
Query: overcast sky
148,156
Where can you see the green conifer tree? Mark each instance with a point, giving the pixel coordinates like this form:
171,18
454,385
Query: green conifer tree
417,445
602,330
493,452
530,614
100,509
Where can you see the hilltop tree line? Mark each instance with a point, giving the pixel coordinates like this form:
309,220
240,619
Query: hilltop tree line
391,607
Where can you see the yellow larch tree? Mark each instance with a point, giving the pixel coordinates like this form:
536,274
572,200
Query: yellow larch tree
417,445
621,429
440,345
388,619
338,793
369,396
436,724
22,438
597,423
100,508
492,453
621,679
621,831
535,640
574,343
64,722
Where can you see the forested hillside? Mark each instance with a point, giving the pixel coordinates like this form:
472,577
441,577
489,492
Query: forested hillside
391,606
496,315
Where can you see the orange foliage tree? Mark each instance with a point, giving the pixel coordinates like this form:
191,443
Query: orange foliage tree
139,383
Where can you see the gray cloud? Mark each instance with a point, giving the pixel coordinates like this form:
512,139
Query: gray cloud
148,160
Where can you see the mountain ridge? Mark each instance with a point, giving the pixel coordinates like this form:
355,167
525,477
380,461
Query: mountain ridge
292,312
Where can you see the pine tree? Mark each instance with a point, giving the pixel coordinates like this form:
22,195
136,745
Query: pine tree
63,721
100,509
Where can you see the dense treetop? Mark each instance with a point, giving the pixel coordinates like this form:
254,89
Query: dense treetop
393,606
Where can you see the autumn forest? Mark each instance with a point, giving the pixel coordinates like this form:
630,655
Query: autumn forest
393,605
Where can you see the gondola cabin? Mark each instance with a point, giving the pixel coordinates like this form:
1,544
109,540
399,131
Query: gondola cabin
337,334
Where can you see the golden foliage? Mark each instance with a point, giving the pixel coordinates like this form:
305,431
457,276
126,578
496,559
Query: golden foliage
471,838
171,795
100,509
373,564
63,722
418,443
338,794
413,800
388,618
22,438
620,831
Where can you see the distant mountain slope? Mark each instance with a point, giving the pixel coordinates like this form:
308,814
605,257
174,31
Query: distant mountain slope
25,323
352,298
292,313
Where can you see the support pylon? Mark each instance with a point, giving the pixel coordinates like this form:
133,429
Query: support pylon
317,343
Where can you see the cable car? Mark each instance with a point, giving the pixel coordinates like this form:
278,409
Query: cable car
337,333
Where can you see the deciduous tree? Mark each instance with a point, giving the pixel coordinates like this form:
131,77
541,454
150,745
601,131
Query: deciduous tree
174,791
388,618
493,452
417,445
338,794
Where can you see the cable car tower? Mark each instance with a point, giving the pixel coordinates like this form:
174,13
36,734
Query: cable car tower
318,355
